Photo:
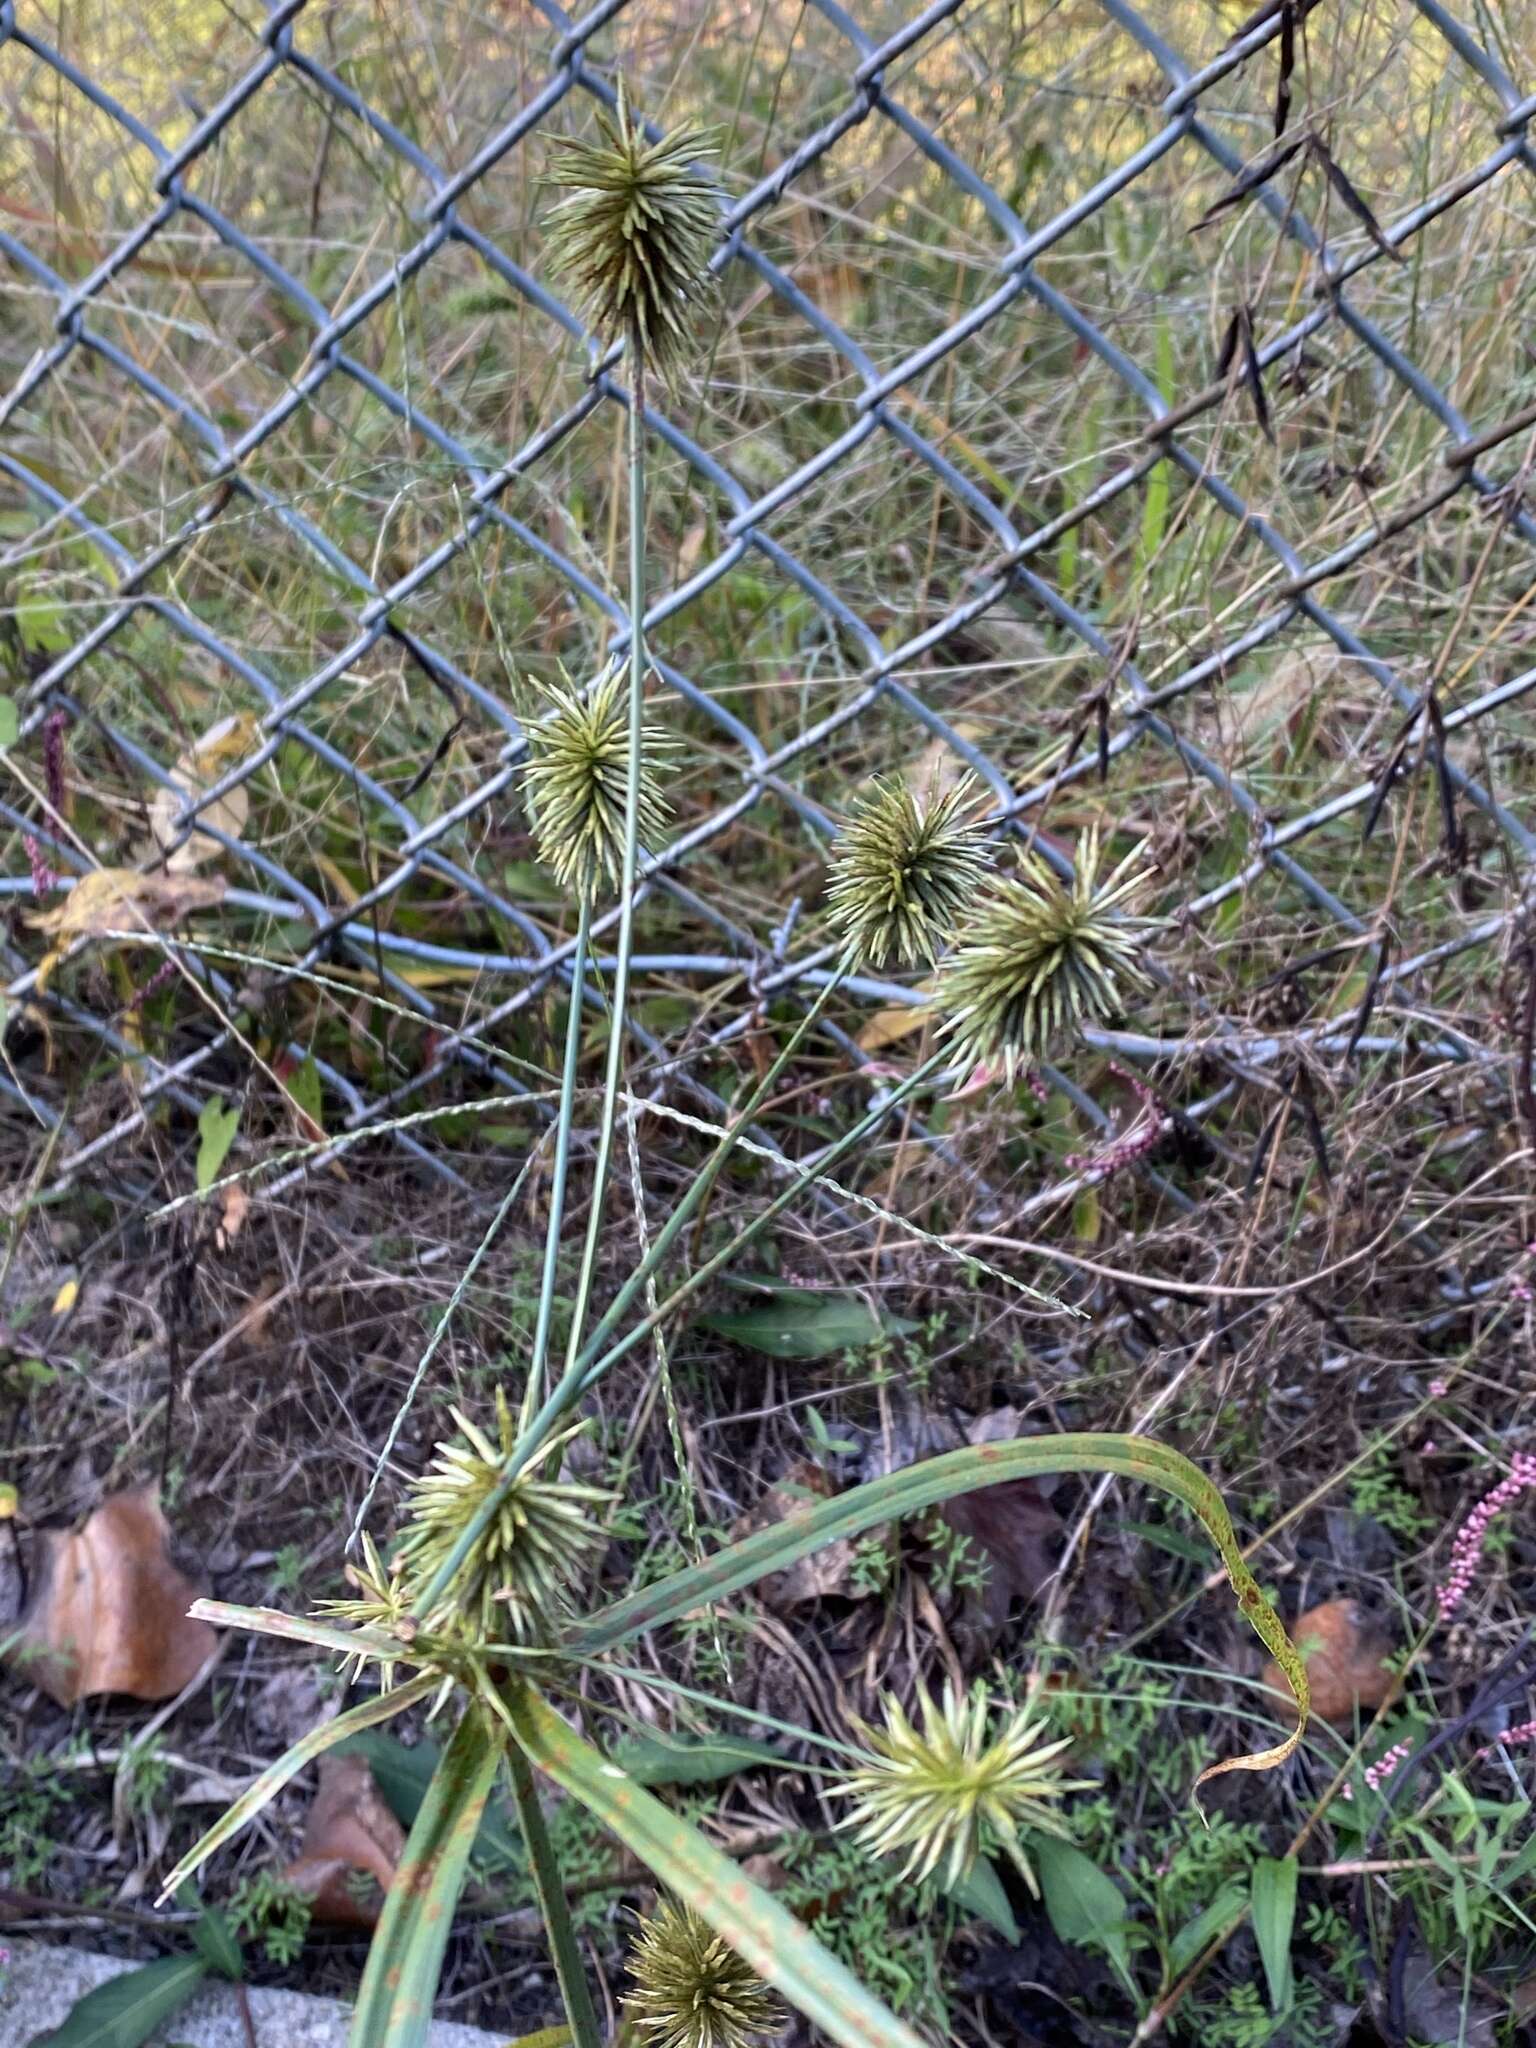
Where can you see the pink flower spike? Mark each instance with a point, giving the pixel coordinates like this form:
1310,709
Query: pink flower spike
1467,1544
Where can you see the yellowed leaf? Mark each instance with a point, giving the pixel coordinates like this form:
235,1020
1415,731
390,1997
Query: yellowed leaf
890,1026
66,1297
198,769
121,899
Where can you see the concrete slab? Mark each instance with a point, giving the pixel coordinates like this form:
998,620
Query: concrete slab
41,1983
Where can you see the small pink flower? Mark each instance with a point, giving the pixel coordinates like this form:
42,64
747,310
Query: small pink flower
1377,1774
1467,1544
1437,1390
1428,1448
43,877
1510,1739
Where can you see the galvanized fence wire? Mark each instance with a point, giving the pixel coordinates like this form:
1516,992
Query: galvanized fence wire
1013,570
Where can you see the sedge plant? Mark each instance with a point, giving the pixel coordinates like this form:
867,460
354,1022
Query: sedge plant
481,1605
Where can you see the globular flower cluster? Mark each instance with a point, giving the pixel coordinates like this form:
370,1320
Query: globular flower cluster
1467,1546
936,1792
1041,958
635,235
905,872
693,1991
576,780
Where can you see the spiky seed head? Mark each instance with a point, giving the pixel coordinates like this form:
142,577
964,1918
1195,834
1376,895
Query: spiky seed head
691,1989
938,1793
578,766
1042,957
381,1601
513,1584
636,233
905,871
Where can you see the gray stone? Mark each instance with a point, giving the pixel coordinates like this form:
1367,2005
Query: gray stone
40,1984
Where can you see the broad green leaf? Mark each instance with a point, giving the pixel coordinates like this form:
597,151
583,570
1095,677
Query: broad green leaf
654,1759
216,1128
403,1773
797,1323
982,1894
921,1486
276,1776
1084,1904
1224,1911
405,1957
755,1924
10,722
1274,1913
303,1087
126,2010
216,1942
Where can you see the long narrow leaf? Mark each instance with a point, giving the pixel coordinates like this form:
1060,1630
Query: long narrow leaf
394,2000
276,1776
126,2010
943,1478
296,1628
765,1933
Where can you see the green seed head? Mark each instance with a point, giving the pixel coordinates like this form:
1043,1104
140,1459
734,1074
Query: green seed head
1041,958
574,783
693,1991
904,872
513,1584
635,235
381,1600
939,1794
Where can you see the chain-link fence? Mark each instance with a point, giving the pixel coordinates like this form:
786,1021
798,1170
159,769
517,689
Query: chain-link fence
349,626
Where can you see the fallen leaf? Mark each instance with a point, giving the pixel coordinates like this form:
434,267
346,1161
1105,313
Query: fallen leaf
202,764
352,1845
1344,1649
108,1611
234,1207
790,1499
121,899
899,1021
66,1297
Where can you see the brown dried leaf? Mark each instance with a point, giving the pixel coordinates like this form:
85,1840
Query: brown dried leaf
803,1487
1344,1648
108,1612
351,1848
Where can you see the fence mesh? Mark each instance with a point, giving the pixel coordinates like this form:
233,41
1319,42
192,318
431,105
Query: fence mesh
1004,460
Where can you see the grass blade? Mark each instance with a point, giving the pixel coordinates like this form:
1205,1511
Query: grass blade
276,1776
938,1479
762,1931
394,2000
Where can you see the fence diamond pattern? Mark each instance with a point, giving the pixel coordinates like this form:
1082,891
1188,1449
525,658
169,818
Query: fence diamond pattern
380,602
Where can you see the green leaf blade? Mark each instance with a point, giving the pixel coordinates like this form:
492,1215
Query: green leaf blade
944,1478
126,2010
405,1957
1273,1904
755,1924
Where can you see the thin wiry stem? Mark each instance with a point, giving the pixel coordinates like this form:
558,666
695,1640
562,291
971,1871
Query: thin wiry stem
535,1383
545,1871
588,1366
620,1001
386,1449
